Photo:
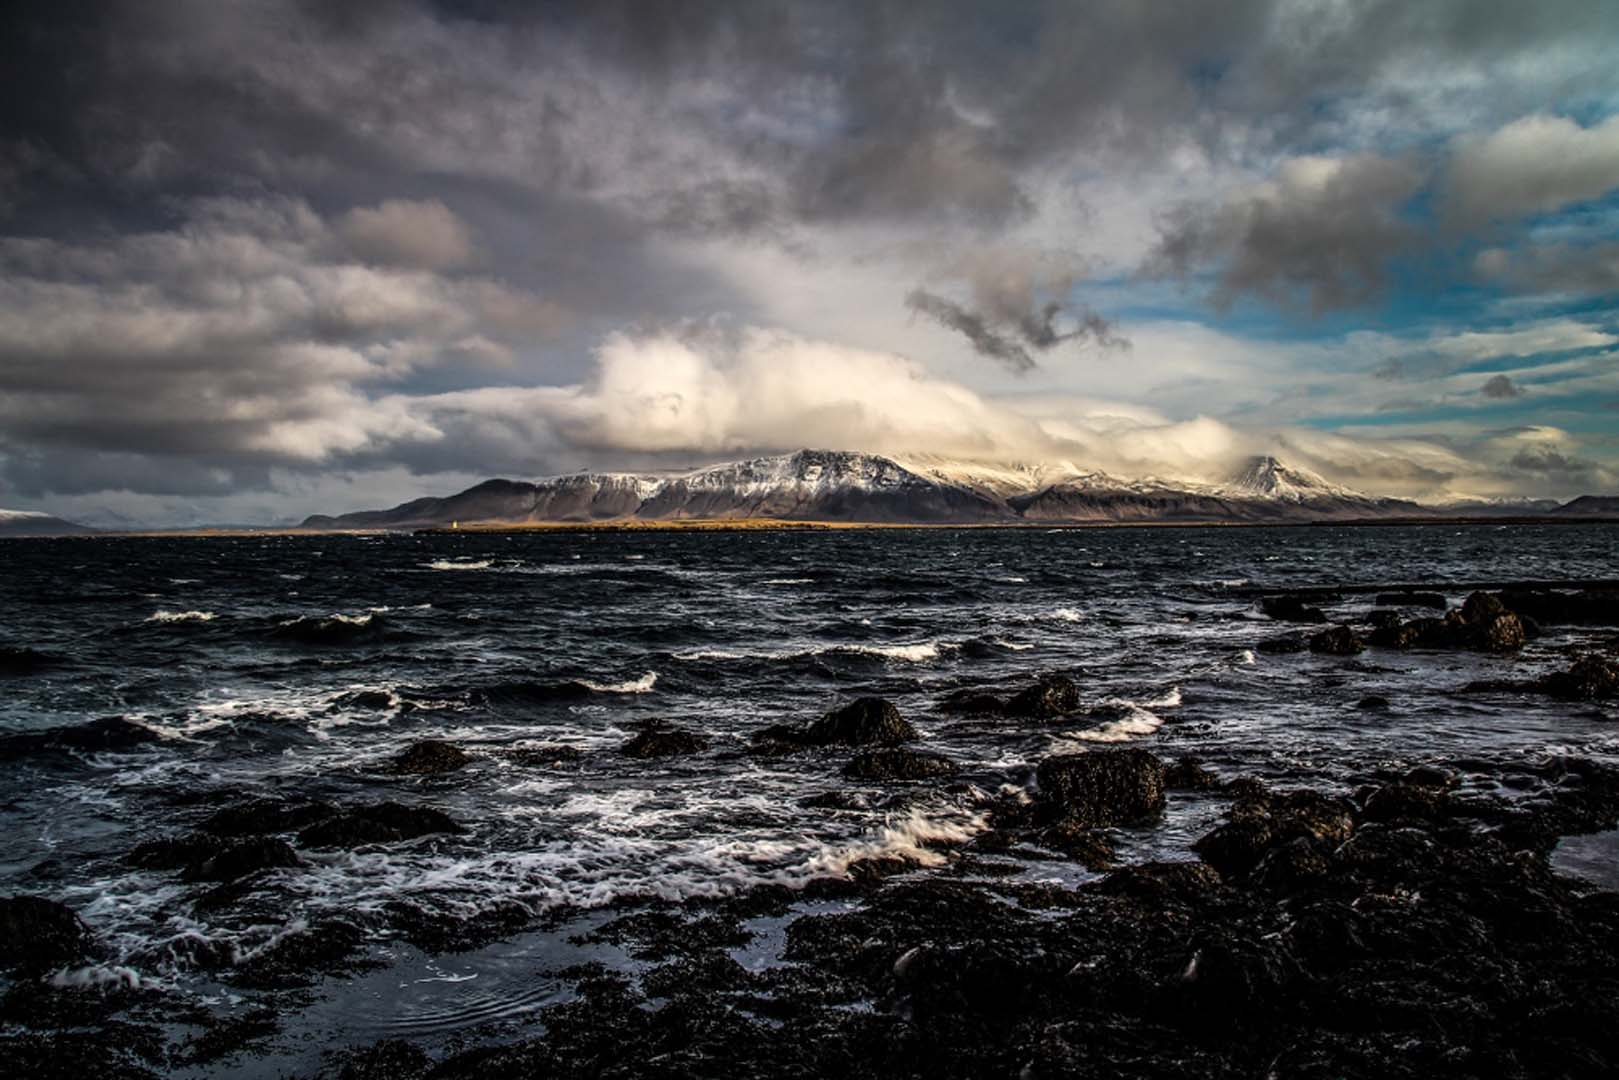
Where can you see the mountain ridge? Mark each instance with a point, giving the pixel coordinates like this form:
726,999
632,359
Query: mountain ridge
847,486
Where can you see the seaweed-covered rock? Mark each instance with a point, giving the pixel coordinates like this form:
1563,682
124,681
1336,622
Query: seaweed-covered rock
241,859
867,721
1590,678
429,757
94,736
1188,774
1338,641
657,740
1103,787
37,934
1051,697
1291,608
266,816
898,763
381,823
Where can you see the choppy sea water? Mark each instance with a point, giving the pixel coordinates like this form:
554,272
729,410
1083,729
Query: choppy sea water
280,666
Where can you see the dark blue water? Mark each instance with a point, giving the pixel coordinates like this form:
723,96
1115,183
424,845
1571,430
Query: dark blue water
245,656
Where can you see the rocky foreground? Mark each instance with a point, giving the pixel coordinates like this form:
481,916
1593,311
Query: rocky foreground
1408,926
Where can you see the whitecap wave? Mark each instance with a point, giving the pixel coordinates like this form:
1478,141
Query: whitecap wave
642,685
181,616
461,564
915,653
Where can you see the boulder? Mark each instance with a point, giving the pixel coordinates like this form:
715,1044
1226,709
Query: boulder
1590,678
95,736
898,763
1338,641
1481,607
1104,787
1500,633
1287,643
428,757
657,740
1051,697
241,859
1089,847
867,721
38,935
381,823
1373,701
1261,822
266,816
1188,774
1290,608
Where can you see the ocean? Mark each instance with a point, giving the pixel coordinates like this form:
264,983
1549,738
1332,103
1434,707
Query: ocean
287,674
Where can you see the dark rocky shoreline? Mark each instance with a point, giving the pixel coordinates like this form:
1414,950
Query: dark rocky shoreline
1410,926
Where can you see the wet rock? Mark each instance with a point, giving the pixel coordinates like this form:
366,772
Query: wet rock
429,757
174,852
241,859
38,935
391,1059
1411,599
867,721
544,756
1188,774
971,702
298,957
1586,607
441,932
1287,643
1481,607
897,763
382,823
1264,821
656,740
1393,802
1051,697
1089,847
1373,702
1383,619
1104,787
1590,678
1291,608
111,733
373,700
1338,641
1292,866
267,816
1503,633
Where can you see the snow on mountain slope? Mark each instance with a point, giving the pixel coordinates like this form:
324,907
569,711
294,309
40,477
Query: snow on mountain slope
836,485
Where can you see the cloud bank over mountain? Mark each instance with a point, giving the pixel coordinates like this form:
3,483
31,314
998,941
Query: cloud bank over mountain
255,255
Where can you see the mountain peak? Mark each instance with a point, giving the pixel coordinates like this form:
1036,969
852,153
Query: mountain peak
1267,476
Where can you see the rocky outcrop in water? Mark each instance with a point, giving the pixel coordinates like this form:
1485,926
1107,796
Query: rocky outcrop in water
658,740
1102,788
867,721
1338,641
37,935
889,764
109,734
381,823
1052,697
429,757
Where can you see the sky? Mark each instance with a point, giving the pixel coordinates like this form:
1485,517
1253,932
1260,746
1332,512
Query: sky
263,259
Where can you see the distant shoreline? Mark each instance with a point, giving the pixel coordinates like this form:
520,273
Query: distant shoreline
783,525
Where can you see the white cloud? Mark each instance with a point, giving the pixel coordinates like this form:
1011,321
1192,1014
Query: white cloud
1533,165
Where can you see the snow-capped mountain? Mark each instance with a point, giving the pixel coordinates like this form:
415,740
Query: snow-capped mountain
832,485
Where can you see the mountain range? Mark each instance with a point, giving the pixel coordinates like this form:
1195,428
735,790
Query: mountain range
843,486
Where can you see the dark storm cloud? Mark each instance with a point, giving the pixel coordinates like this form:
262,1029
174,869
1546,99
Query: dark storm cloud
237,236
1320,235
1501,388
985,342
1007,337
